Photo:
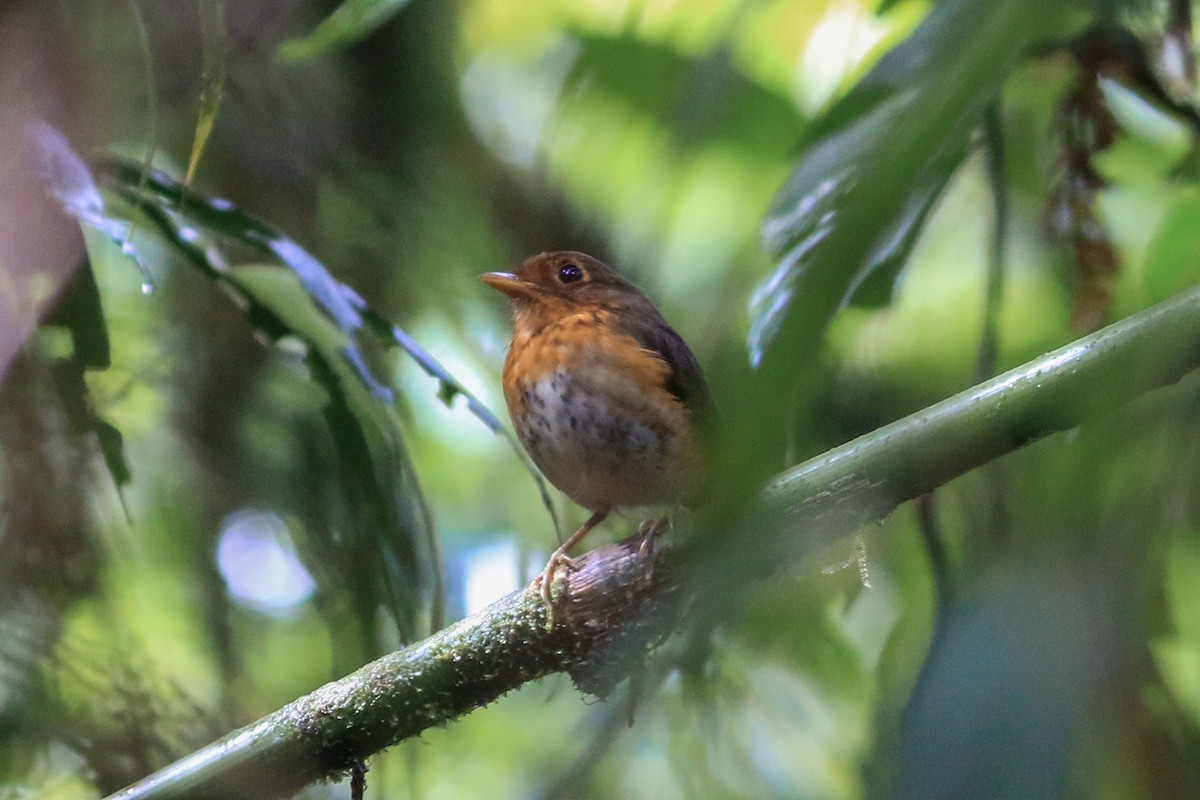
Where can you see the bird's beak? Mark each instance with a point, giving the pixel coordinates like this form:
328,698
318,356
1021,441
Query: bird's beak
510,284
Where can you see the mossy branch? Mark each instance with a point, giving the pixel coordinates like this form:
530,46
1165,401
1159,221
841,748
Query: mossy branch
613,605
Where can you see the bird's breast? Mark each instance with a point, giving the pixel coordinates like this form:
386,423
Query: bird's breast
591,407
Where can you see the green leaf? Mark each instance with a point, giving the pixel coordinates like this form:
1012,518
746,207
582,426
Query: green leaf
112,448
1173,260
877,159
389,537
876,284
77,403
79,311
392,540
856,198
351,21
68,180
163,200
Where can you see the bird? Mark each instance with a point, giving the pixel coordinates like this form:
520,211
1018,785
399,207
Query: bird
605,396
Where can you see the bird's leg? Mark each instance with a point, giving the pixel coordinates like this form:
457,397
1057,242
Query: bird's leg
650,530
560,555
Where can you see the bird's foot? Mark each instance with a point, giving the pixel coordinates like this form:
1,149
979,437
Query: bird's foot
560,558
650,530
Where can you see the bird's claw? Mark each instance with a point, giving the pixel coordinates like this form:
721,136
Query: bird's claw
650,530
546,579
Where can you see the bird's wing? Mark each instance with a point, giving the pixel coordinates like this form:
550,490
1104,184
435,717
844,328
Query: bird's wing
685,379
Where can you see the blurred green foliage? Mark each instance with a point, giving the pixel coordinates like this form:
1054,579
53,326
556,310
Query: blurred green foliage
175,465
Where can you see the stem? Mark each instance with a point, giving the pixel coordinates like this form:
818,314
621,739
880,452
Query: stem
989,342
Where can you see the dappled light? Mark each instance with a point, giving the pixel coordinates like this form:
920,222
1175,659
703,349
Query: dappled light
258,563
938,265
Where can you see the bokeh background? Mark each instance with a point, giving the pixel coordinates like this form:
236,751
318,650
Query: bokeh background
1030,631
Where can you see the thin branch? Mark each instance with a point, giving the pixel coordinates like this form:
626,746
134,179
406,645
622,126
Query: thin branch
989,342
939,561
614,608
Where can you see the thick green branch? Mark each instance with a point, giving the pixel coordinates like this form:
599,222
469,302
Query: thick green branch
614,606
827,497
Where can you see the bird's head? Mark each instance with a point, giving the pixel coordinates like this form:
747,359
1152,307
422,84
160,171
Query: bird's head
560,279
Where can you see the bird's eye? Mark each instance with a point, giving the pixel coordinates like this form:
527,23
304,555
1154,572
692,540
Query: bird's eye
570,273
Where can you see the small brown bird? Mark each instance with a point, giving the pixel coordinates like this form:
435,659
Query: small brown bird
605,396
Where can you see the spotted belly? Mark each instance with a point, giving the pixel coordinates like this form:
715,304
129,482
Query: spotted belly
602,445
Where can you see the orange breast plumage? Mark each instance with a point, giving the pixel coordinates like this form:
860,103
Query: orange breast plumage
591,407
